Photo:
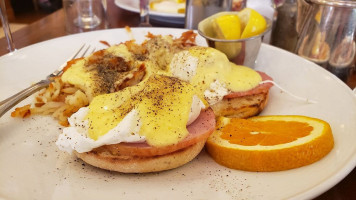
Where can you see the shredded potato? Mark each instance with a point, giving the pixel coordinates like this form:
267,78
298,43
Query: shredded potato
59,100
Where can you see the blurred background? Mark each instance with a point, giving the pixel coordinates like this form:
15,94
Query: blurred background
23,12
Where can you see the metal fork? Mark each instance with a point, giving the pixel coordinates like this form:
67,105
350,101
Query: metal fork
10,102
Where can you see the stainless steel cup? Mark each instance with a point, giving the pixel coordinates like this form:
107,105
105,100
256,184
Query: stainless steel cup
197,10
241,51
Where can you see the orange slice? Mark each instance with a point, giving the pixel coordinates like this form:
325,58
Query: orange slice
269,143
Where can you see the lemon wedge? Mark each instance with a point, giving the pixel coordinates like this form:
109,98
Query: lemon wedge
270,143
228,27
252,23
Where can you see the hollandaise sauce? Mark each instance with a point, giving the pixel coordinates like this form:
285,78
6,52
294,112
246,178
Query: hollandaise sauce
98,73
207,65
163,104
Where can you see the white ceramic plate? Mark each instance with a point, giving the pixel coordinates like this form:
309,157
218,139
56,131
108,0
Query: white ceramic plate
165,18
32,167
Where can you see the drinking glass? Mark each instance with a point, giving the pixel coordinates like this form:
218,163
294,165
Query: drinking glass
144,14
5,25
87,17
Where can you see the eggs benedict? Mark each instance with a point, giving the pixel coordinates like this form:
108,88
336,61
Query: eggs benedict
150,107
231,90
159,124
163,121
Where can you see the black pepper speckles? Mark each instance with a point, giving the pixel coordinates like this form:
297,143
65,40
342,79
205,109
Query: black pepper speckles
106,69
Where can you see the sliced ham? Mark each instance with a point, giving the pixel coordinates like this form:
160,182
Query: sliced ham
199,130
261,88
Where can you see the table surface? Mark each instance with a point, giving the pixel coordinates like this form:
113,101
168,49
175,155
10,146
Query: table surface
53,26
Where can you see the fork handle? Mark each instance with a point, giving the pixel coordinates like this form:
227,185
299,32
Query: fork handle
10,102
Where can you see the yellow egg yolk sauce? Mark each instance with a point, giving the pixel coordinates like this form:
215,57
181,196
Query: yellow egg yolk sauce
98,73
266,133
163,104
213,65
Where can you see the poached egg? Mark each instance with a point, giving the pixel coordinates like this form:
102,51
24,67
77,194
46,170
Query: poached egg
155,111
211,72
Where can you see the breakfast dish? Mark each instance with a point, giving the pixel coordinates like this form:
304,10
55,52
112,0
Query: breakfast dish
158,16
60,175
136,107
